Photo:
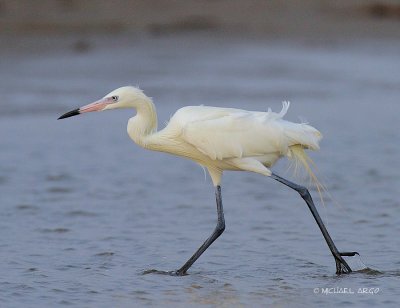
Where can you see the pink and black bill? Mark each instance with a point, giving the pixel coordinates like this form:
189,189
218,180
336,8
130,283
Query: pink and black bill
96,106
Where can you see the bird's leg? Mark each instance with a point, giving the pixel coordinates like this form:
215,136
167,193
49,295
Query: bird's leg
219,229
341,264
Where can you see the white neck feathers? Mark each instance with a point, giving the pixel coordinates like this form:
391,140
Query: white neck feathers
144,123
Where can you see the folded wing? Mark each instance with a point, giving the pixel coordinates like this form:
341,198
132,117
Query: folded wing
223,133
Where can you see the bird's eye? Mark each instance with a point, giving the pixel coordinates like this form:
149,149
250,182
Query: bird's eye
114,98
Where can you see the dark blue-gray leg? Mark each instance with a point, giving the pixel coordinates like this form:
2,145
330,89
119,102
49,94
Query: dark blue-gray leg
219,229
341,264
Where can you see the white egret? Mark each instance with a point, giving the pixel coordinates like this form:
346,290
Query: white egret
221,139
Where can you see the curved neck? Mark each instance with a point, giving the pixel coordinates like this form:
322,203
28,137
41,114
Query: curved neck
144,123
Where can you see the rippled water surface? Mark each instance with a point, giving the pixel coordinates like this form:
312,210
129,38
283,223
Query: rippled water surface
84,211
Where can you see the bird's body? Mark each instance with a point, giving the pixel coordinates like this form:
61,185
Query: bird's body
221,139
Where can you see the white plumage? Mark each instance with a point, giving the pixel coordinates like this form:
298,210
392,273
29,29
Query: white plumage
223,133
234,139
217,138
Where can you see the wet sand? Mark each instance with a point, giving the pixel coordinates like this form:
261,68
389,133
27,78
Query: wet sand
274,18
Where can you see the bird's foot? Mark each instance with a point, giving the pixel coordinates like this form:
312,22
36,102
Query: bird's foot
349,254
170,273
178,273
341,265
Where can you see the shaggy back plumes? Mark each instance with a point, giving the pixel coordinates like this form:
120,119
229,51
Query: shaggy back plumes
300,157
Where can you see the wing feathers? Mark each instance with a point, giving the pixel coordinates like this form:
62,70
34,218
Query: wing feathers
222,133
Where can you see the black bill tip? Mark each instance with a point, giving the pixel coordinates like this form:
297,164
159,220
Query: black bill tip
69,114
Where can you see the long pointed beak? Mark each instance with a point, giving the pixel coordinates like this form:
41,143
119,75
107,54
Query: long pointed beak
69,114
96,106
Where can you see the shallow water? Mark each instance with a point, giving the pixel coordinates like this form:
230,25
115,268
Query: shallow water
84,211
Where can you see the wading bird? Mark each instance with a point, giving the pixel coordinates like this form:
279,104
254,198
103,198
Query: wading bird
221,139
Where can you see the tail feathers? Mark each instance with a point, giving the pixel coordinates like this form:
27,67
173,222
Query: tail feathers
305,135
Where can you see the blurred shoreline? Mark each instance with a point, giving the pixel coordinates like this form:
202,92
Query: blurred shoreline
272,19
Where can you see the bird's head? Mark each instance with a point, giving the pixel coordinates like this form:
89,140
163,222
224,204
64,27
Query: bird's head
124,97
